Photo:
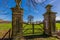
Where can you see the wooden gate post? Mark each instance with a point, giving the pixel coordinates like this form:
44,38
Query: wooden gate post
49,21
32,28
17,22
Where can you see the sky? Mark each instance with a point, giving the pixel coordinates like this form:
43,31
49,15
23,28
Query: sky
37,12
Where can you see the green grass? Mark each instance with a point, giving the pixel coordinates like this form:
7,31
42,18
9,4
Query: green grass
37,29
5,26
57,26
9,25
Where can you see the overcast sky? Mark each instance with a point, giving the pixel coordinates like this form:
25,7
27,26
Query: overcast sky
6,5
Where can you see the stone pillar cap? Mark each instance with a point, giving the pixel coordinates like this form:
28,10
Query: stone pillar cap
49,5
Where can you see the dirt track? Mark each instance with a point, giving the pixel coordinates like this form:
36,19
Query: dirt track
2,33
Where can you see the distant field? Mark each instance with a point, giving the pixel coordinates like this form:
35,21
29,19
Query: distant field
6,26
57,26
39,28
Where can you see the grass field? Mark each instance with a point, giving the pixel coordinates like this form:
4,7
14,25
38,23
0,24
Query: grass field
5,26
39,29
57,26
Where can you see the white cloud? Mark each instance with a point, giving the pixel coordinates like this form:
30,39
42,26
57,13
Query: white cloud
39,1
52,1
57,18
36,11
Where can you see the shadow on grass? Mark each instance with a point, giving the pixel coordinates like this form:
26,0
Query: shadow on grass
36,36
6,39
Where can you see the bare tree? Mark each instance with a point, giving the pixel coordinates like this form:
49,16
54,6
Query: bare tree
30,19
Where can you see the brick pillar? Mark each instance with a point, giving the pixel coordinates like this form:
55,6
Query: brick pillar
17,23
49,21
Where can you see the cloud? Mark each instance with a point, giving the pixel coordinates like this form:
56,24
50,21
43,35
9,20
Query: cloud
3,12
58,18
52,1
36,11
39,1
